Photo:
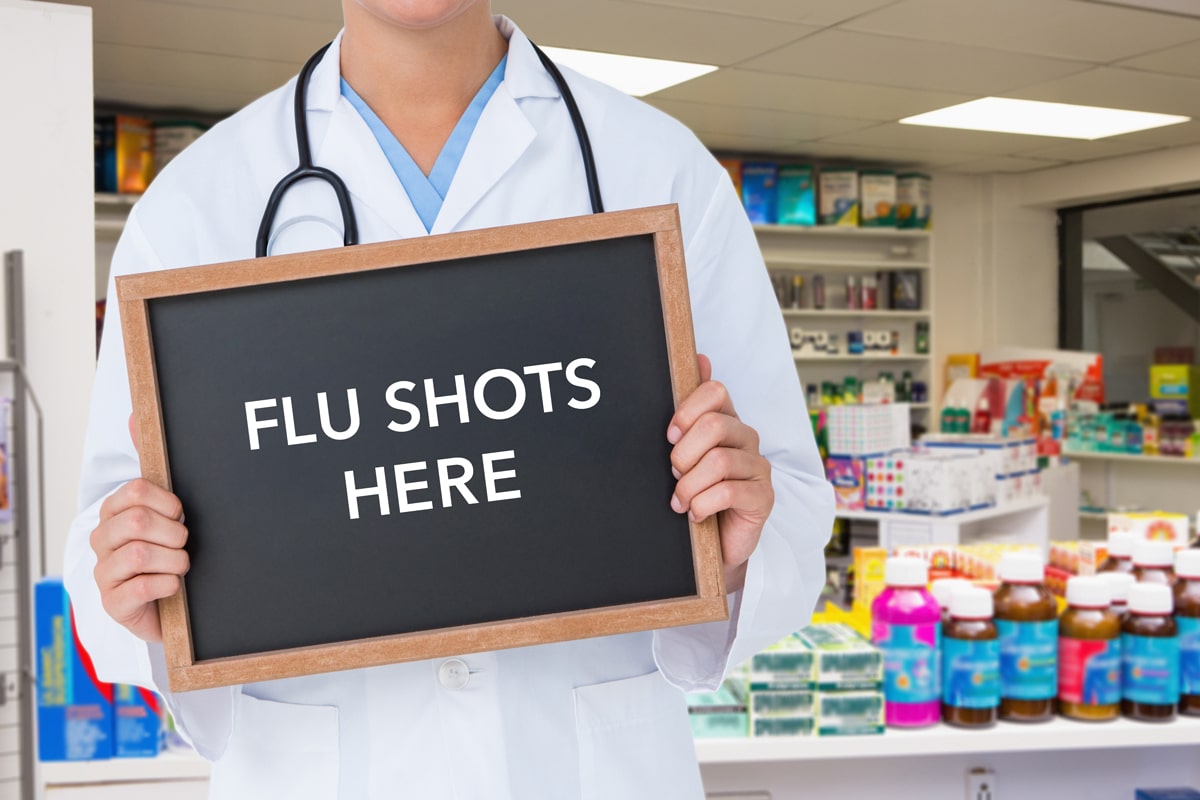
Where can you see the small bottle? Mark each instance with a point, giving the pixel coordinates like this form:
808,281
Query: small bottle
922,338
814,396
946,424
1027,619
904,389
906,626
1120,553
970,661
1187,619
1118,588
1089,653
1149,655
981,422
797,293
1152,562
852,292
944,589
818,291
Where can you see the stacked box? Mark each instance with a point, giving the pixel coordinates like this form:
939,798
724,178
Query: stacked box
785,665
74,707
717,715
885,482
138,725
850,713
838,197
782,713
866,430
1064,555
842,660
938,483
795,195
1180,382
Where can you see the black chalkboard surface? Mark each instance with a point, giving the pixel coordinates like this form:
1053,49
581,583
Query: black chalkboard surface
421,448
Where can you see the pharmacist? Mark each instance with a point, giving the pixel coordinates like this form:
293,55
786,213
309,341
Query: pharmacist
441,118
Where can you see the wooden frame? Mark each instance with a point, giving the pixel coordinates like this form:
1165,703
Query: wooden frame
136,291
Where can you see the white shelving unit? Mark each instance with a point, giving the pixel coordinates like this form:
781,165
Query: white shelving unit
1023,521
1125,480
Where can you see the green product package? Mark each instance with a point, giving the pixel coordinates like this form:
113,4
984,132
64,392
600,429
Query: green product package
787,664
849,713
718,715
842,660
795,195
783,726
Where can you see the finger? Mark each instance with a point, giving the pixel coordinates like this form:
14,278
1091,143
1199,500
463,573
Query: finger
138,524
139,558
133,434
128,601
709,396
718,464
141,492
753,498
713,429
705,365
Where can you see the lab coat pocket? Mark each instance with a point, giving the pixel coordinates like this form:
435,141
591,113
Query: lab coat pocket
635,741
278,750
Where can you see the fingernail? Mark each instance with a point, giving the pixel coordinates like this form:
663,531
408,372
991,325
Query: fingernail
675,472
674,434
675,504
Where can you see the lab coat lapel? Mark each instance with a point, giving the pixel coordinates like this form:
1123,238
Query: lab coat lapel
501,136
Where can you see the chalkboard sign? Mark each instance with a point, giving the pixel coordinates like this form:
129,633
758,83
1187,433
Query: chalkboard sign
421,448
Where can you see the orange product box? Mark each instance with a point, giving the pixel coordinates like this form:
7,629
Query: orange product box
135,154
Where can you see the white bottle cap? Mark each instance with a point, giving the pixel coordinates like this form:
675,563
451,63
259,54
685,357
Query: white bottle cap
1120,544
1153,554
906,571
1150,598
971,602
1118,585
1187,564
1022,567
944,589
1088,592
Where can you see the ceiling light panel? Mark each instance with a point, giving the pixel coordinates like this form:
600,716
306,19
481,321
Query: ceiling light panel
631,74
1035,118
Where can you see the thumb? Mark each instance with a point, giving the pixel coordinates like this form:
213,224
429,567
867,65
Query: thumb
705,367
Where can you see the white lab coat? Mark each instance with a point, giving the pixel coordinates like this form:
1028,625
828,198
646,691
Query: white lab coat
602,718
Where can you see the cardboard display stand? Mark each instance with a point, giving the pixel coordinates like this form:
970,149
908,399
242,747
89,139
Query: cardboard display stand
421,448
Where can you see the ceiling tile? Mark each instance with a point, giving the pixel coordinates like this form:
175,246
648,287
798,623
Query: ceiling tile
741,88
188,71
1179,135
756,121
214,101
1181,60
651,31
889,61
731,143
899,158
304,9
1087,151
1111,87
1003,164
810,12
1058,28
919,137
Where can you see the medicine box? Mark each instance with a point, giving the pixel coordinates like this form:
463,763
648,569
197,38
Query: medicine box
1176,382
867,430
717,715
939,483
842,660
734,167
130,167
758,191
138,724
838,197
877,192
787,664
1156,526
74,707
848,476
868,574
914,201
795,195
849,713
782,713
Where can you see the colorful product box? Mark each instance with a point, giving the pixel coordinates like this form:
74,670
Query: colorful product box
868,574
75,708
848,477
138,726
838,197
849,713
796,195
758,191
868,430
1177,382
842,660
785,713
885,482
734,167
787,664
129,165
1156,526
717,715
914,201
877,190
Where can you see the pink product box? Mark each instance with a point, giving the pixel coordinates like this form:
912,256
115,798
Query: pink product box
848,476
885,490
865,430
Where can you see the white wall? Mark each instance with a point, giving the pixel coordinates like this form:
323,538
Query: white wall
46,210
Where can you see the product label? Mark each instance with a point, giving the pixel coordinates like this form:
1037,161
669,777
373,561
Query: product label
1028,659
1089,671
971,673
1150,669
1189,654
910,667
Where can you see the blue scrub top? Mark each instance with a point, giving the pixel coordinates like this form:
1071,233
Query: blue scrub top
427,193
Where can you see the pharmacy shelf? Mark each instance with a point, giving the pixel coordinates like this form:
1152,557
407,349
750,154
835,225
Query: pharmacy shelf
844,231
111,199
966,517
1101,516
843,358
172,765
835,264
1173,460
855,313
1058,734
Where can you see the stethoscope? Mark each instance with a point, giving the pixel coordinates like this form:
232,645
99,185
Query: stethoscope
307,170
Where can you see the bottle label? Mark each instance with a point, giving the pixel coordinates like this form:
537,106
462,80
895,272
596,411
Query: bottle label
1028,659
1089,671
1189,654
971,673
910,673
1150,669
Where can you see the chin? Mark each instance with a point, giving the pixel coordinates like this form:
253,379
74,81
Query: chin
417,13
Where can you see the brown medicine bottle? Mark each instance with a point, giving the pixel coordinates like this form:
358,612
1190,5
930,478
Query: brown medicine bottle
1089,653
1187,619
1149,655
1120,553
1027,621
1152,562
970,661
1118,588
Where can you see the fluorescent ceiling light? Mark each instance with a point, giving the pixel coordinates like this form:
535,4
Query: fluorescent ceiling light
631,74
1005,115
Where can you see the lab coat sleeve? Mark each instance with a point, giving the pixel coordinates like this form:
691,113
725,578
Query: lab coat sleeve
739,326
109,461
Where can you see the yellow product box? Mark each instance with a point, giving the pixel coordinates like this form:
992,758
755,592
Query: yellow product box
914,201
1154,526
135,154
868,574
877,198
1177,382
1091,556
1065,556
837,201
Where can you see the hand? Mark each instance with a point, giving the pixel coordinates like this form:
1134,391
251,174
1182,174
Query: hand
719,470
139,554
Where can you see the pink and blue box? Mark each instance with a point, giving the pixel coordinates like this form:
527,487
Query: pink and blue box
80,717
